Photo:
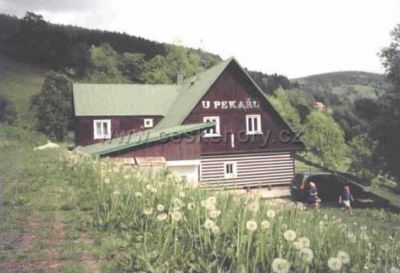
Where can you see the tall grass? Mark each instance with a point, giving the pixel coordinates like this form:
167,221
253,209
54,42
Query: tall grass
173,226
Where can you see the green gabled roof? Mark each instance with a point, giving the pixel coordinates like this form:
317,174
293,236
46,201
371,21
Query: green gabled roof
123,99
192,90
140,138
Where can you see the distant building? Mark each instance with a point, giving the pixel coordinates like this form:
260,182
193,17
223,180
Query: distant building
216,127
319,106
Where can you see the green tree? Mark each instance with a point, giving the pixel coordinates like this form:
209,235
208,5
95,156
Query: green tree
157,70
282,104
8,113
385,127
132,66
104,65
53,106
324,137
362,164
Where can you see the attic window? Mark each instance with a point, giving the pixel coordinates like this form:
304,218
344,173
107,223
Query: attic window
253,124
148,123
212,131
102,129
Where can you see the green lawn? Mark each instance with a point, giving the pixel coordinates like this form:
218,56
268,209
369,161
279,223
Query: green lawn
19,81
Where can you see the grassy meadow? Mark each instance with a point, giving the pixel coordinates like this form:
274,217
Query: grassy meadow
18,82
65,213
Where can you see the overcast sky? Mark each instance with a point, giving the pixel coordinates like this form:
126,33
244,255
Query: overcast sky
290,37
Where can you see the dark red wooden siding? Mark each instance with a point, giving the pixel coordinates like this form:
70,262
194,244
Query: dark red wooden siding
183,148
234,85
120,125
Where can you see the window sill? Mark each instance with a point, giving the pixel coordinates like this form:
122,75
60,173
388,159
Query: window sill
253,133
209,136
101,137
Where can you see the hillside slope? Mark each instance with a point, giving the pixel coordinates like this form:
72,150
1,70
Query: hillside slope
18,82
350,85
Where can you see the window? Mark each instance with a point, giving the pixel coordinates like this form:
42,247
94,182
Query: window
101,129
212,131
148,123
253,124
230,170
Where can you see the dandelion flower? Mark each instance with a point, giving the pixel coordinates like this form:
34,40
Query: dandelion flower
181,194
162,217
264,225
215,230
334,264
116,192
191,206
344,257
208,224
304,241
107,181
254,207
176,215
271,214
289,235
148,211
215,213
148,187
251,225
297,245
138,194
280,266
160,207
306,254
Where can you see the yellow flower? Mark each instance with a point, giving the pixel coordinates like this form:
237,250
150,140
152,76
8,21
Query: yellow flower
306,255
334,264
289,235
280,265
271,214
162,217
251,225
343,257
208,224
264,225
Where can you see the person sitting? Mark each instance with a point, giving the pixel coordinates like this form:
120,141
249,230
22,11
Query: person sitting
312,198
345,199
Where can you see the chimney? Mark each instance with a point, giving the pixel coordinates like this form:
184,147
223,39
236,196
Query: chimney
179,78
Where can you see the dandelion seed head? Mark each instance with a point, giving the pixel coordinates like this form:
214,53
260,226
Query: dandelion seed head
334,264
148,211
160,207
289,235
251,225
264,225
176,216
271,213
215,213
162,217
191,206
343,257
208,224
280,265
215,230
306,254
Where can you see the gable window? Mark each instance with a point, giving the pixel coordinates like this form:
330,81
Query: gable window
253,124
212,131
148,123
101,129
230,170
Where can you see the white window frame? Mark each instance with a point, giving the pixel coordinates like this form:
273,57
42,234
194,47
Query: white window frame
148,123
256,118
217,132
234,170
101,135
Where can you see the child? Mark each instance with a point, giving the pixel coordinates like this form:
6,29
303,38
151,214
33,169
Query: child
312,198
346,198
